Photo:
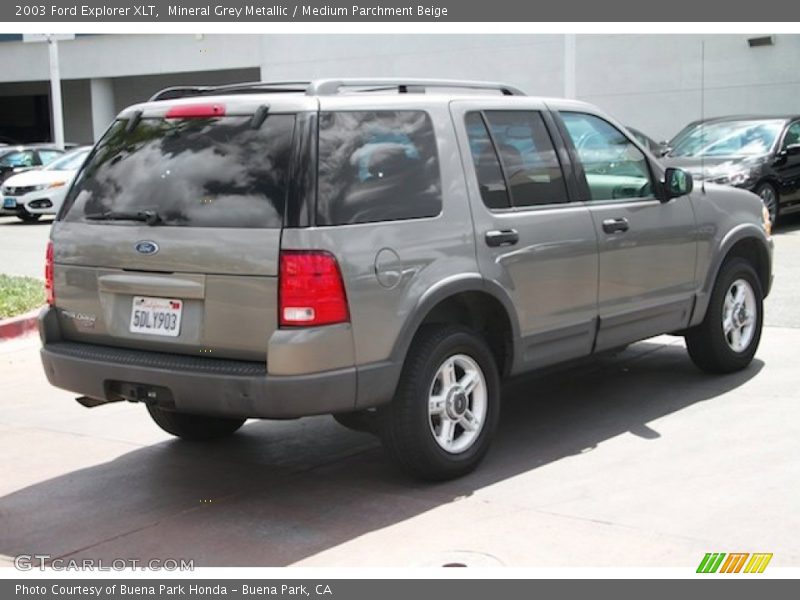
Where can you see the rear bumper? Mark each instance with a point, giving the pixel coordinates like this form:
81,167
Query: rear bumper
191,384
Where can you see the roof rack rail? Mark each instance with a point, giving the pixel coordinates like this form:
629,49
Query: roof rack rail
251,87
329,87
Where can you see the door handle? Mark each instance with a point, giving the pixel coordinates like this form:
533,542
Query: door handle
502,237
619,225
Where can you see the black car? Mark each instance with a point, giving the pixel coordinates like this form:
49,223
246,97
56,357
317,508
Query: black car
15,159
757,153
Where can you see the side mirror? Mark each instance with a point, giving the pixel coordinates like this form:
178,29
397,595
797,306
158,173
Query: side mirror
677,182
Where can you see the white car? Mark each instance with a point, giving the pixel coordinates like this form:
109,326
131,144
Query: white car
38,192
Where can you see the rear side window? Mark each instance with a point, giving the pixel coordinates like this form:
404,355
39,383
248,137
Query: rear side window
377,166
520,150
196,172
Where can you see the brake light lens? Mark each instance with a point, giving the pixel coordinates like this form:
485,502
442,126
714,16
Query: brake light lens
48,274
196,111
311,290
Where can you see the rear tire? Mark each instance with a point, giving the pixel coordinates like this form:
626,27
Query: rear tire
196,428
444,413
728,337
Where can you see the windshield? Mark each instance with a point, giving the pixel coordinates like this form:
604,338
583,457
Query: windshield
68,162
195,172
728,138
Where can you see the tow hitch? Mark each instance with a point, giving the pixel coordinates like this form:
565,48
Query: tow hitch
120,391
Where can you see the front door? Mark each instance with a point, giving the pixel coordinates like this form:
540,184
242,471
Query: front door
647,247
787,166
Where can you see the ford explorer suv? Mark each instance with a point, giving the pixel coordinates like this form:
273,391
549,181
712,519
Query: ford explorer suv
386,251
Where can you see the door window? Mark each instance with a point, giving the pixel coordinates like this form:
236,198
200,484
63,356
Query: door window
517,148
614,167
792,135
17,159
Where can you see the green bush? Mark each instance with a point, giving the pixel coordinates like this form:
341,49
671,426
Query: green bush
18,295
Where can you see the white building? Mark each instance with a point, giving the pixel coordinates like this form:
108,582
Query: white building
652,82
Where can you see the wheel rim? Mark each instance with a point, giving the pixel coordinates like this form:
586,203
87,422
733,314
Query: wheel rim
739,315
770,200
457,403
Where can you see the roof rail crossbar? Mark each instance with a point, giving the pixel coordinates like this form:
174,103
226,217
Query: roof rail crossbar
186,91
330,87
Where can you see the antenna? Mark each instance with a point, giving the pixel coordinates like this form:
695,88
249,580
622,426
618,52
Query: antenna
702,114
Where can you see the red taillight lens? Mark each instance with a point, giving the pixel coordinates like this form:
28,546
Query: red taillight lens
196,111
311,290
48,274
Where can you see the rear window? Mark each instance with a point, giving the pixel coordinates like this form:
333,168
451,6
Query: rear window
377,166
206,172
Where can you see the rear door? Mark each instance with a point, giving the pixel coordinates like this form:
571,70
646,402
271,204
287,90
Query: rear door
530,238
647,247
169,238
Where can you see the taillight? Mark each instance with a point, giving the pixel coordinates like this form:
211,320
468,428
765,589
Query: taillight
48,274
195,111
311,291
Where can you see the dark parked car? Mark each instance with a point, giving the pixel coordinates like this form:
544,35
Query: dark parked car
15,159
756,153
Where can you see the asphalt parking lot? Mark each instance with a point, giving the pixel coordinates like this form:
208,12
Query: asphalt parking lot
636,459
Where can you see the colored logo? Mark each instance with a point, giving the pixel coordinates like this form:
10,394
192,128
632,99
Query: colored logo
735,562
146,247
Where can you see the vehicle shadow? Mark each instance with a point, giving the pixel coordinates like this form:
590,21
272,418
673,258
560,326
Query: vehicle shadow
279,492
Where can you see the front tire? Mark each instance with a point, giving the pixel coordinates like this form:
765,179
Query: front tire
728,337
196,428
441,421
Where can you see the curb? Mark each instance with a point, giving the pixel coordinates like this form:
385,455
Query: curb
20,325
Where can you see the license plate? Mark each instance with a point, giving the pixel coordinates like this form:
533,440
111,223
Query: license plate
156,316
10,203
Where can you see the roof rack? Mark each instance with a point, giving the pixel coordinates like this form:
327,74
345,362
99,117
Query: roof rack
252,87
330,87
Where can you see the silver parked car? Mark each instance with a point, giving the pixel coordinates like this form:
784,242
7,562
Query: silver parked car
363,249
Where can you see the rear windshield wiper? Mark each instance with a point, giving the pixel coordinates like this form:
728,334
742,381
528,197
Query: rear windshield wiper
150,217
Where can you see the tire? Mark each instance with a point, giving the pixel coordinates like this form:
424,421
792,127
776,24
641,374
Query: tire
769,196
710,347
416,436
196,428
363,421
24,215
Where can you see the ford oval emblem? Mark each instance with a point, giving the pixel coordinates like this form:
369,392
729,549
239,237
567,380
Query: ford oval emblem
146,247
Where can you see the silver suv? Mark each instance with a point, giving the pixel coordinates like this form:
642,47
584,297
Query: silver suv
385,251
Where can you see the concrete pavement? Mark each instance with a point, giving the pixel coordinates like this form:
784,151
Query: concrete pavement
633,460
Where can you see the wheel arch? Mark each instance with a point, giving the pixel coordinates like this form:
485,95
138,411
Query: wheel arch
471,301
747,242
